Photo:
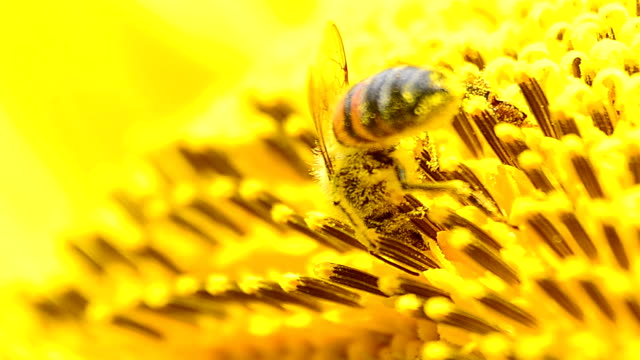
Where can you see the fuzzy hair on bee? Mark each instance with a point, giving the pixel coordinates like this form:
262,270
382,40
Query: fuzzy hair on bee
359,129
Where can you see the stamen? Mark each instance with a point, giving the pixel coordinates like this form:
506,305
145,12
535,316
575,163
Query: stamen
466,131
598,298
430,166
217,216
538,104
320,289
130,324
565,124
441,350
266,199
575,67
174,311
252,291
131,207
423,223
443,311
209,159
72,302
283,148
475,57
334,229
601,118
278,109
160,258
634,308
86,258
112,252
617,248
285,215
274,293
634,164
483,256
583,240
199,307
492,262
587,176
549,234
191,227
480,196
397,285
257,202
348,276
308,138
552,289
166,167
508,309
453,220
49,308
256,210
531,163
511,137
486,122
399,253
232,293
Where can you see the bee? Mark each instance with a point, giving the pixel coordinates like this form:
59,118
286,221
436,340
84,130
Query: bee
358,131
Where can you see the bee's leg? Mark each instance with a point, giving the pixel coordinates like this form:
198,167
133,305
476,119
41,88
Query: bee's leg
456,187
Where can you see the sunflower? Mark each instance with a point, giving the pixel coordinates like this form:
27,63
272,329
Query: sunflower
222,245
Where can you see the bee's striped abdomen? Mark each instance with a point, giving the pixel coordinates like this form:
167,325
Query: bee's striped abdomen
388,103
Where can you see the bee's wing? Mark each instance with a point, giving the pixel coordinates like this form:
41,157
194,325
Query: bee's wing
328,77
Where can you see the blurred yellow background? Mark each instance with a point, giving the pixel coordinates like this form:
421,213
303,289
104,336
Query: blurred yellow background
84,85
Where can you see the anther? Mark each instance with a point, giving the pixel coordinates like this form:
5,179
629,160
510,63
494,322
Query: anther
538,104
274,293
586,173
634,164
598,298
583,240
443,311
565,124
348,276
453,220
549,234
601,119
553,290
334,229
285,215
479,196
130,324
397,285
114,253
514,312
191,227
87,259
489,259
320,289
403,255
467,132
217,216
531,164
486,122
617,248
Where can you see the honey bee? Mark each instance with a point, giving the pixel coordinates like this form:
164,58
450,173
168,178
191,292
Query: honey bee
358,132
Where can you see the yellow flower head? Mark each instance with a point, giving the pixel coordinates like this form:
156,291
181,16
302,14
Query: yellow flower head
508,231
